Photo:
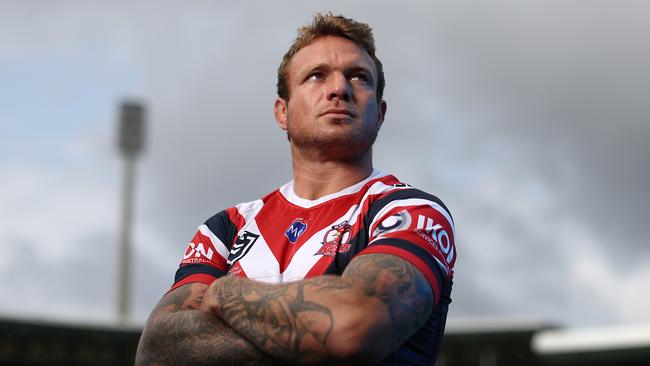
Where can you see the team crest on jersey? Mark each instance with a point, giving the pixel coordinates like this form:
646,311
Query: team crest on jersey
242,245
336,240
297,227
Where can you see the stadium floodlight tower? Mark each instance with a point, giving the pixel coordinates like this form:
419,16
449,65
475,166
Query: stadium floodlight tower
131,137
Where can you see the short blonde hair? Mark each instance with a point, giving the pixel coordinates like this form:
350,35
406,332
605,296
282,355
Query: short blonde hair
331,25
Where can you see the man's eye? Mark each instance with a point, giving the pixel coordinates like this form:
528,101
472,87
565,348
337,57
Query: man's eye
359,77
316,76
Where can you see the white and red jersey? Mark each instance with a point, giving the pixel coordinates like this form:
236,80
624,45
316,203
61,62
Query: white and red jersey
282,238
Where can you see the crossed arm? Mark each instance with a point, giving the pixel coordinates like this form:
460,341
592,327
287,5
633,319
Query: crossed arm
361,316
178,333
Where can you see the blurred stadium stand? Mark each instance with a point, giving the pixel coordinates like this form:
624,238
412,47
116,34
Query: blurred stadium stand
24,342
469,342
499,342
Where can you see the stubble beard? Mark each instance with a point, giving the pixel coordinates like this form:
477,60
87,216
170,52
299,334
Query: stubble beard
348,145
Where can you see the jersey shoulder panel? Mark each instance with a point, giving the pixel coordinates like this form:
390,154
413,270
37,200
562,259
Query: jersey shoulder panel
206,255
416,226
248,210
403,194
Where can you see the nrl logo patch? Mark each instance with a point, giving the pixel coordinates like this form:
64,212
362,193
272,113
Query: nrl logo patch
336,240
242,245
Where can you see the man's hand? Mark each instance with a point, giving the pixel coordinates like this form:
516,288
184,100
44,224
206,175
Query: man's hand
177,333
361,317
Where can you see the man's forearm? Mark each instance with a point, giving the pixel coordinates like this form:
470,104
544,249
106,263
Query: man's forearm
279,319
193,337
177,334
360,317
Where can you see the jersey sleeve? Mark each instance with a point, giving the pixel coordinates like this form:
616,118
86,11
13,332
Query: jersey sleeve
206,255
417,227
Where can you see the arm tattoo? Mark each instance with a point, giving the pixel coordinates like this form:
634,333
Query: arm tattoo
400,286
295,322
278,318
179,334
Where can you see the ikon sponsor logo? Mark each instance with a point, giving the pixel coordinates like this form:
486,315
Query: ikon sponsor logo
198,251
436,235
241,246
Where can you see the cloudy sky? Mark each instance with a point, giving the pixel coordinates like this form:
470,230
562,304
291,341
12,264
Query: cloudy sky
531,120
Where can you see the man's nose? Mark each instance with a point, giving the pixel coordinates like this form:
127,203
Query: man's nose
338,87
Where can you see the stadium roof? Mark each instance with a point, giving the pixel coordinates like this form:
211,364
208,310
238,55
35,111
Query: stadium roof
593,339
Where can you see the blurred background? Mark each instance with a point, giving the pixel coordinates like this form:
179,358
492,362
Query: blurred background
530,120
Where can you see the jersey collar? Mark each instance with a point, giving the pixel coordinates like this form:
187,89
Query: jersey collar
289,193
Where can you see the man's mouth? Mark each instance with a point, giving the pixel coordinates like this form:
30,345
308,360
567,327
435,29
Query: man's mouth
339,112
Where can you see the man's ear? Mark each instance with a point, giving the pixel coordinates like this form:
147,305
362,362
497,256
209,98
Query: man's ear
382,112
280,112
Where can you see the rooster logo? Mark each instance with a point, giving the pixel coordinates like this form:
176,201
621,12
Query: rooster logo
336,240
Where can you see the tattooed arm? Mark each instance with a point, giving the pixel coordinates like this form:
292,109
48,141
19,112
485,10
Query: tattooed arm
177,333
360,317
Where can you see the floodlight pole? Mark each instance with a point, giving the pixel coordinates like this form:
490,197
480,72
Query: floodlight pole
131,136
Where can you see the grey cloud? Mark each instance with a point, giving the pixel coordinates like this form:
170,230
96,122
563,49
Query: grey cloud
80,286
516,115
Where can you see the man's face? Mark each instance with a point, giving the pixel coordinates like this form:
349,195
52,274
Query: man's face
332,104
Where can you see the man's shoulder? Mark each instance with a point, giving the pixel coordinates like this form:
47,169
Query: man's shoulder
390,189
243,209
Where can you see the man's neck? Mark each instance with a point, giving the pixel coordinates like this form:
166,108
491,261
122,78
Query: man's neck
314,179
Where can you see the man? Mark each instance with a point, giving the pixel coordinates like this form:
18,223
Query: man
342,265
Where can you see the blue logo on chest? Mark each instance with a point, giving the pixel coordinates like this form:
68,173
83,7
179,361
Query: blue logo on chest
298,226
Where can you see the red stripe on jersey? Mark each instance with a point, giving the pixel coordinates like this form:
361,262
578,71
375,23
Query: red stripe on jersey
236,270
320,267
278,214
411,258
273,220
236,218
194,278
